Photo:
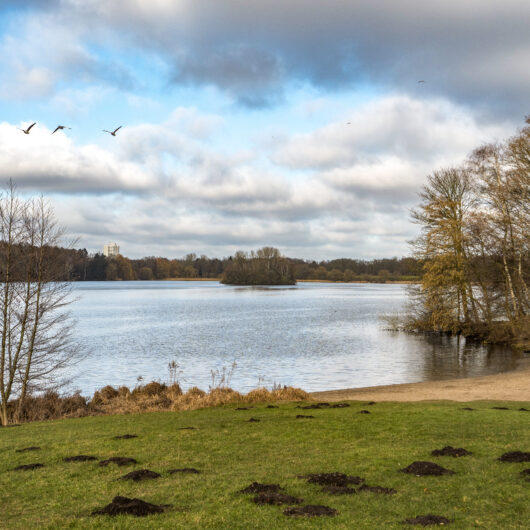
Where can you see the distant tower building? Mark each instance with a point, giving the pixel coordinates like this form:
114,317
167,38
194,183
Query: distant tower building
111,250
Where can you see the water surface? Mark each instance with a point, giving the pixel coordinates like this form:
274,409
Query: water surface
317,336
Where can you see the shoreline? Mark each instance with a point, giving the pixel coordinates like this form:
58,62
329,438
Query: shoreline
403,282
505,386
383,282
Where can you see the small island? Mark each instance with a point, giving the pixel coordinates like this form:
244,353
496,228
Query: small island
266,266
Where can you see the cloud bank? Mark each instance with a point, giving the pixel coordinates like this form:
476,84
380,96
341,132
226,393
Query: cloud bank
472,52
341,189
297,124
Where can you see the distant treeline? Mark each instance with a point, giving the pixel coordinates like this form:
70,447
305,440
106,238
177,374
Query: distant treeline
78,265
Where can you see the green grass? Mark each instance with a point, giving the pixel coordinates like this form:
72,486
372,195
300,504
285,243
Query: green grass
232,453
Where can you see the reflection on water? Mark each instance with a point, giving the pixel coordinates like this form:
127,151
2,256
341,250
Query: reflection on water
315,336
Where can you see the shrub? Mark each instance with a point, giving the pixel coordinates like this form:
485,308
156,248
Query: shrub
148,398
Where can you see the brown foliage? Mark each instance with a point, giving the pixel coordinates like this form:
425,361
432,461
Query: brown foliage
475,245
104,395
151,389
49,406
151,397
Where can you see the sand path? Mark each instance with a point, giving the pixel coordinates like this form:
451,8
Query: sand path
508,386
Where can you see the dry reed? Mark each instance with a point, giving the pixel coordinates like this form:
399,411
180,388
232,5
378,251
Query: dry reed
152,397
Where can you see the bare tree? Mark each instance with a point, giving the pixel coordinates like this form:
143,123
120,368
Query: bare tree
34,319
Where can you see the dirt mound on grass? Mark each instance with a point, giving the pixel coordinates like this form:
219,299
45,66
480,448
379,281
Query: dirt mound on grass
125,437
184,470
140,474
466,408
272,407
79,458
338,490
332,479
276,499
314,406
525,472
378,489
451,451
243,408
515,456
364,412
253,420
118,460
311,510
500,408
25,449
256,487
27,467
427,520
303,417
522,409
186,428
125,505
421,469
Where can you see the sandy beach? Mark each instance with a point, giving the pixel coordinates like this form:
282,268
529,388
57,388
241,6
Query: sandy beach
508,386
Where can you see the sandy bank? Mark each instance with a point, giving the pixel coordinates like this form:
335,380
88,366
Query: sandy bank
508,386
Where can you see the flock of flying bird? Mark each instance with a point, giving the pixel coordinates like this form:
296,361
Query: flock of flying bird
61,127
113,133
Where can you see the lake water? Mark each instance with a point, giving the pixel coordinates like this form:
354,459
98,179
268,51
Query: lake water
316,336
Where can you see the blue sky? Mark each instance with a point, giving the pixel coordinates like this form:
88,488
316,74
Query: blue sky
300,125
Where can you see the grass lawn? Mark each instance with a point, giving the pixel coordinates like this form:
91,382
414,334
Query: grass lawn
231,453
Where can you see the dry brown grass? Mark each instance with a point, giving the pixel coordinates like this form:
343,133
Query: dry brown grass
48,406
156,396
152,397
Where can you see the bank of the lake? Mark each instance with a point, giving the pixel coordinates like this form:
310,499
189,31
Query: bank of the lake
379,282
190,280
508,386
403,282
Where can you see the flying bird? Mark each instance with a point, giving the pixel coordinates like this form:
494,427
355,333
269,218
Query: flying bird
26,131
421,81
113,133
60,128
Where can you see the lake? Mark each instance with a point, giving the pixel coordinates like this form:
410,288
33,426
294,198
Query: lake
317,336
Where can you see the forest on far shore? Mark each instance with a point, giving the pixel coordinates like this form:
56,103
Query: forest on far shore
78,265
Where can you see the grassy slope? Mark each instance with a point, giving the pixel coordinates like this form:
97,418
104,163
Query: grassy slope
232,453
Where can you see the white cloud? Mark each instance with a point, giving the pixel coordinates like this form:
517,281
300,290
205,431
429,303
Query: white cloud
79,102
387,147
44,161
26,82
194,123
39,51
168,189
398,126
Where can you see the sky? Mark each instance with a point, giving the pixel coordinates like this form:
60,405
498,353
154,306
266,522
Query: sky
301,125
